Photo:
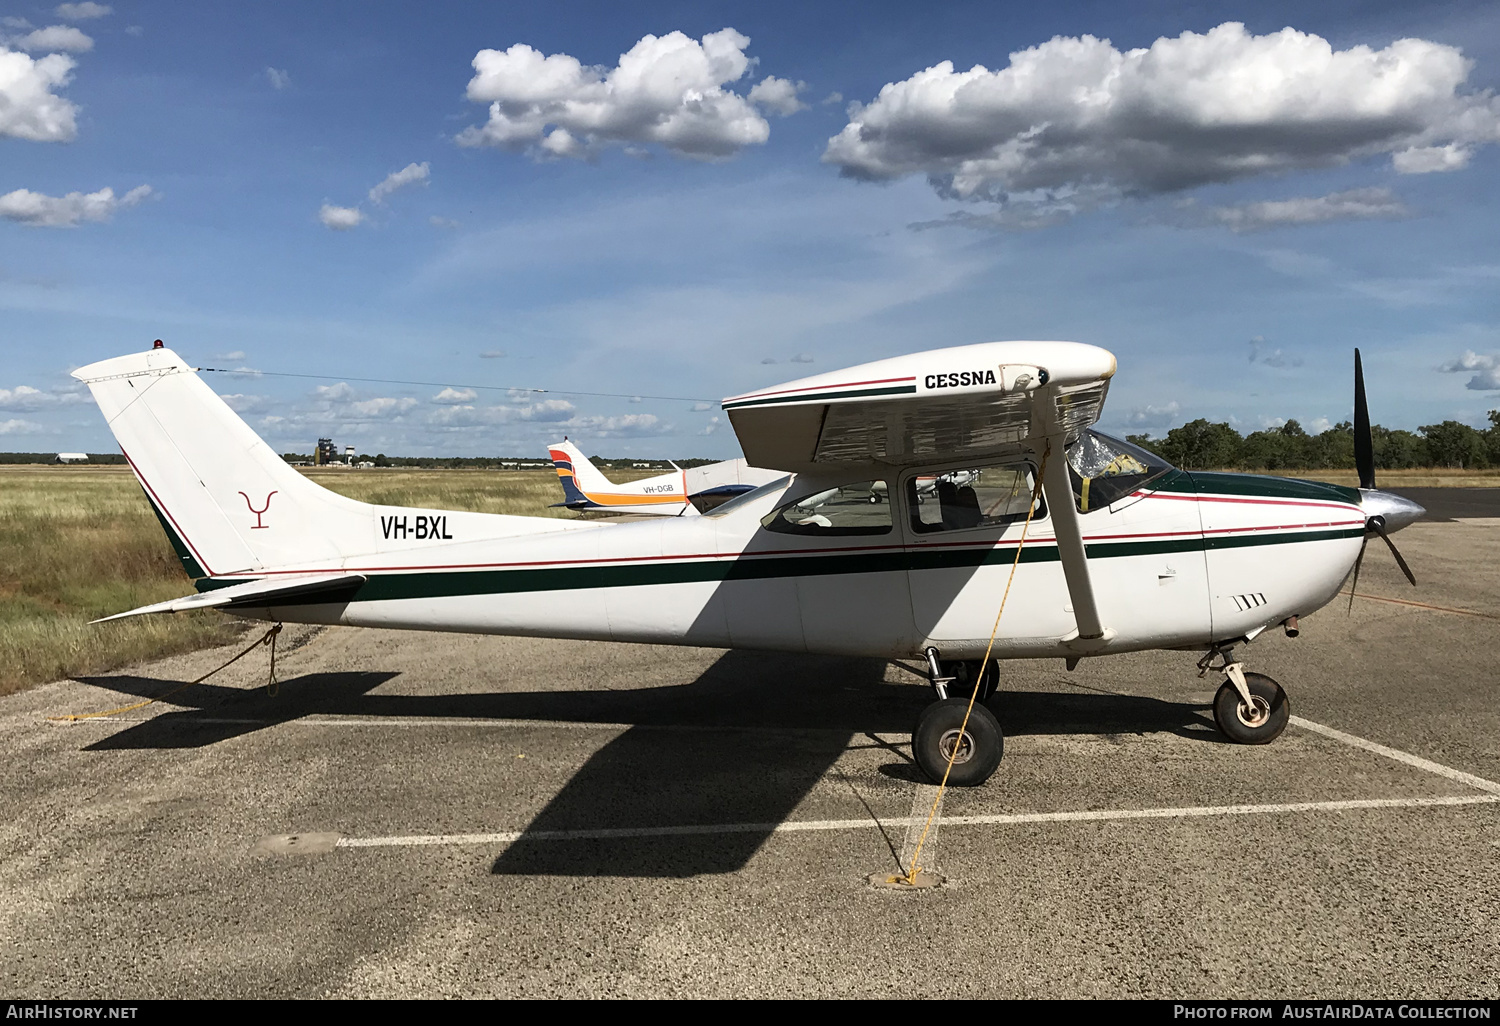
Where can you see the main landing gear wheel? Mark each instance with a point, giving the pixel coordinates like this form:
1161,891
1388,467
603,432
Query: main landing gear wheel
979,745
1259,723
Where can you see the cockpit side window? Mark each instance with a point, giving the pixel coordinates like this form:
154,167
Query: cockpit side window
983,497
852,509
1105,470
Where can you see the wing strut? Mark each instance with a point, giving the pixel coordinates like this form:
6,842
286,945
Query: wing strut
1059,491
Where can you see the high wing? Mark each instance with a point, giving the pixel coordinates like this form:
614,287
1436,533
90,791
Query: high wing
986,400
979,400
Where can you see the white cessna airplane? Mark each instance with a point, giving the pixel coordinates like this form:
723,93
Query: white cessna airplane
1122,552
683,492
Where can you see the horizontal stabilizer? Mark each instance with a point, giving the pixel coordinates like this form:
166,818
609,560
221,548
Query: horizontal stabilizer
300,590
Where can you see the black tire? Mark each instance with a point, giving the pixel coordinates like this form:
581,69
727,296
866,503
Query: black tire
1258,727
982,742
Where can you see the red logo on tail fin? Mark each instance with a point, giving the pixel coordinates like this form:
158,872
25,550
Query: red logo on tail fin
258,512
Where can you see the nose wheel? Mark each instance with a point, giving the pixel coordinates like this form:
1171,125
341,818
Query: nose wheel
1258,720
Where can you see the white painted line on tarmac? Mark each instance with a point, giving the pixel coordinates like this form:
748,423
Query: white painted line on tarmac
1399,756
999,819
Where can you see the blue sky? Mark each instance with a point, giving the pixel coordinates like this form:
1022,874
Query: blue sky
1231,237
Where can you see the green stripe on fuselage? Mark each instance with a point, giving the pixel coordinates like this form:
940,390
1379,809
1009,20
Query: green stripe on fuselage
449,584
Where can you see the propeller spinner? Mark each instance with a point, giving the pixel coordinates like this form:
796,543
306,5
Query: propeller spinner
1385,512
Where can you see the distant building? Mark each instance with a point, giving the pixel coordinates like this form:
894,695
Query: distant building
72,457
326,453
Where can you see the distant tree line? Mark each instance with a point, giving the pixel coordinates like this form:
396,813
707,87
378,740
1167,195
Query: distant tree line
1200,445
51,457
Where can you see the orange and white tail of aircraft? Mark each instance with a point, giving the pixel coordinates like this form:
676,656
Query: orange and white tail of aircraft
682,492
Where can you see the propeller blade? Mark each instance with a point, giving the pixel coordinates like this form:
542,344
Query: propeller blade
1364,445
1380,530
1355,583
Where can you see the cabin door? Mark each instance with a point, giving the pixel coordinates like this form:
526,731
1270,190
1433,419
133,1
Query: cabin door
962,526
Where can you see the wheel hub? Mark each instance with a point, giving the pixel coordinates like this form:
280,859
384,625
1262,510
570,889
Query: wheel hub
960,740
1256,713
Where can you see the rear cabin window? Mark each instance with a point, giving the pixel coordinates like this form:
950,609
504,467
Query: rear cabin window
1105,470
984,497
852,509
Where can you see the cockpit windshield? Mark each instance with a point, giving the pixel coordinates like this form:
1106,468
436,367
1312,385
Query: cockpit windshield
1104,469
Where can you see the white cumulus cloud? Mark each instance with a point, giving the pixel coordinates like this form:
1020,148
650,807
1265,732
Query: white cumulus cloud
1486,370
1155,416
24,397
41,211
778,95
1421,160
241,403
380,406
16,426
340,219
408,175
624,426
86,11
52,39
1350,205
667,90
1076,120
456,395
278,78
29,107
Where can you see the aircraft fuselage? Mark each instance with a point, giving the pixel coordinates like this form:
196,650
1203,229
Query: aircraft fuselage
1196,558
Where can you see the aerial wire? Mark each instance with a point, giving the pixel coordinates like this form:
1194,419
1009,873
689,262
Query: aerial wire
248,372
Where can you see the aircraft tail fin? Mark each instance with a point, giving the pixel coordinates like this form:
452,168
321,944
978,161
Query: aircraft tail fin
578,476
228,502
564,461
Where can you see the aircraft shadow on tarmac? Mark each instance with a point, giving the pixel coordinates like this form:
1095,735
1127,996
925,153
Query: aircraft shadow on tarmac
744,743
218,713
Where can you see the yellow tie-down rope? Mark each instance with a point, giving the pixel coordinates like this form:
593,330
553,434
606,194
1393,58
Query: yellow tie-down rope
269,638
911,873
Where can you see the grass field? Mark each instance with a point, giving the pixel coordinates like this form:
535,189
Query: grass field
77,543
